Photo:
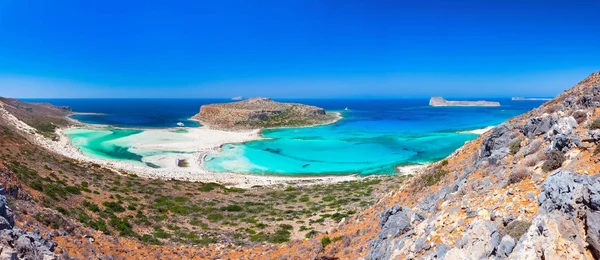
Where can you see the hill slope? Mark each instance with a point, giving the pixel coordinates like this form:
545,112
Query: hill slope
528,189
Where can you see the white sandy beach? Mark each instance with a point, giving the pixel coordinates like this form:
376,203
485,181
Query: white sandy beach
199,142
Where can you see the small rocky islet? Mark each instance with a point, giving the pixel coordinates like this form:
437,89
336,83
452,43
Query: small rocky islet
258,112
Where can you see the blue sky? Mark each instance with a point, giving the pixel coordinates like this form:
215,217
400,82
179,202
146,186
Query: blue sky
307,48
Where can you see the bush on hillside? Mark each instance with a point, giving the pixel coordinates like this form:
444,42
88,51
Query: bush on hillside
515,146
580,116
595,124
517,228
554,160
518,175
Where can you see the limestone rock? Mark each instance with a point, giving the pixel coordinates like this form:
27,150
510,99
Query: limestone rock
538,125
394,222
478,242
506,246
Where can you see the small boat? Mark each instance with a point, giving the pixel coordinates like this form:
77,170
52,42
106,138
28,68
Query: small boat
346,108
180,124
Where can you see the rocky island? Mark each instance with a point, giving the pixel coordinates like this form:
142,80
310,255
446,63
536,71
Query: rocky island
441,102
262,113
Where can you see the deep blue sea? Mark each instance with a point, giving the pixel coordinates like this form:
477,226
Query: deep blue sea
374,137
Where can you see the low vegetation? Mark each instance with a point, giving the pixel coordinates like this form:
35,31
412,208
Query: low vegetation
554,160
518,175
595,124
515,146
517,228
179,212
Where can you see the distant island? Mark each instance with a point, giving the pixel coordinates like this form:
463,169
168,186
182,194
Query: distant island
530,99
237,98
256,113
441,102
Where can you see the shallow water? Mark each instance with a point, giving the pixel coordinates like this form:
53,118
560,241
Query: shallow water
374,137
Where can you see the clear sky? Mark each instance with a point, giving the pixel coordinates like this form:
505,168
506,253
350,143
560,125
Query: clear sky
296,48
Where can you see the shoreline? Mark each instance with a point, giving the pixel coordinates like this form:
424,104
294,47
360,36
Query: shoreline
195,172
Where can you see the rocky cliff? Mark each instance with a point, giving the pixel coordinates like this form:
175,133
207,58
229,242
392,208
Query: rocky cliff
441,102
262,113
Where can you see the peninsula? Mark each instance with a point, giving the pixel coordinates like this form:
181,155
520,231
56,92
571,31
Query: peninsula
441,102
256,113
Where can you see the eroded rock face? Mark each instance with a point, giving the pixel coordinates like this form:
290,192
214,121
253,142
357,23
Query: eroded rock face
479,242
568,206
394,222
18,244
539,125
495,145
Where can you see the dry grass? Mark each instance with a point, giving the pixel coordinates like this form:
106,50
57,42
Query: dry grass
518,175
580,116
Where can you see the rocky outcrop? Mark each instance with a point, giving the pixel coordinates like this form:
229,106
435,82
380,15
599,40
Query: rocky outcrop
394,222
18,244
567,222
441,102
262,113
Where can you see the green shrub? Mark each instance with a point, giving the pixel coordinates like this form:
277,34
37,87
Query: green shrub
595,124
515,146
214,217
597,150
73,190
286,227
517,228
554,160
147,238
206,187
113,206
325,241
444,163
90,206
431,179
232,208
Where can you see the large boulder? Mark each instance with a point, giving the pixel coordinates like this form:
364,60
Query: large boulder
394,222
479,241
539,125
497,141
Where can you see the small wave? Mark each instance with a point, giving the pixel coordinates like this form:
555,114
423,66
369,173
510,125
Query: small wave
476,131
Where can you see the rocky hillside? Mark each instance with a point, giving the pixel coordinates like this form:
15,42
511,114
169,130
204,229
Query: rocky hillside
262,113
528,189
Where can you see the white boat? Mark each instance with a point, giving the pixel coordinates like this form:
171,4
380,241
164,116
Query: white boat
346,108
180,124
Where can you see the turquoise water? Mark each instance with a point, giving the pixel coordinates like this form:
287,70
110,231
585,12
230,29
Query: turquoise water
374,137
99,143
